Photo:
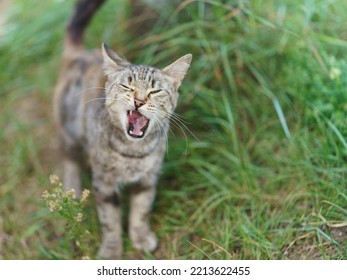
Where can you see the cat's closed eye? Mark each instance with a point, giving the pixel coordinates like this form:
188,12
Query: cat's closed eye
125,87
153,92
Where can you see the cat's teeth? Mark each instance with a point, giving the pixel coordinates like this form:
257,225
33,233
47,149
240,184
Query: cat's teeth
141,133
130,112
130,131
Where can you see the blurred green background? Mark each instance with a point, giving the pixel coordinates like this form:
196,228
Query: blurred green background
257,167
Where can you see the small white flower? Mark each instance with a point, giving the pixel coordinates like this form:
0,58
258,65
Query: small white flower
85,195
54,179
335,73
54,206
45,195
51,206
72,193
79,217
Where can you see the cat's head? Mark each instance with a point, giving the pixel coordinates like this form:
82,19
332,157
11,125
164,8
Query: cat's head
142,97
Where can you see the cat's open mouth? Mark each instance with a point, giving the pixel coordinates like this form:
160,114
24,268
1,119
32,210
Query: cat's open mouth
137,124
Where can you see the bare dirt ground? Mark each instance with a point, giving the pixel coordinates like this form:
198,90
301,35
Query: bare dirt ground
4,5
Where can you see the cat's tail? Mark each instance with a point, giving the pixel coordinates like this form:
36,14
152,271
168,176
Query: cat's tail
84,11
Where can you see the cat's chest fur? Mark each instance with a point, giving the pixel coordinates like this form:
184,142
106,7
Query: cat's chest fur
127,162
110,151
125,169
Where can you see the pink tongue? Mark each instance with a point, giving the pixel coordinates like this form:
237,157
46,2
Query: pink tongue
138,121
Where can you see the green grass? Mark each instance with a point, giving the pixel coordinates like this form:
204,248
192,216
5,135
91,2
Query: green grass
265,97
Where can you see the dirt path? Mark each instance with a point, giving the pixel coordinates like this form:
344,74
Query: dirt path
4,6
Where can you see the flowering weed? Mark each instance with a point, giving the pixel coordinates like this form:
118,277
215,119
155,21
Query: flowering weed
64,205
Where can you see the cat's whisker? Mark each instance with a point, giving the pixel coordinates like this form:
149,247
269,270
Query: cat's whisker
100,98
162,132
159,124
176,124
179,117
89,89
175,116
179,122
169,128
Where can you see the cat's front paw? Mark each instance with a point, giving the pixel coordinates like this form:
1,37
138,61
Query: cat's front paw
110,250
146,242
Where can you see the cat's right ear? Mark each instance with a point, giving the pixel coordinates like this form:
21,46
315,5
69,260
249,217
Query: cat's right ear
112,61
178,69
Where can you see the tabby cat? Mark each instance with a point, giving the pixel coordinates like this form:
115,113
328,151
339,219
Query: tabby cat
114,116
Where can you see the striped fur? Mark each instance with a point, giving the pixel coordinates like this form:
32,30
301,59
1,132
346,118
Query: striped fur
113,116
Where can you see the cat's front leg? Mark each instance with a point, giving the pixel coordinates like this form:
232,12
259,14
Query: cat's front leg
109,212
141,200
72,176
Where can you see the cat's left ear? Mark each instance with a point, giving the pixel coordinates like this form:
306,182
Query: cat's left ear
178,69
112,61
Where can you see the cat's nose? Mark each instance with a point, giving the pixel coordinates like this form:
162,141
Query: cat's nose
138,103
